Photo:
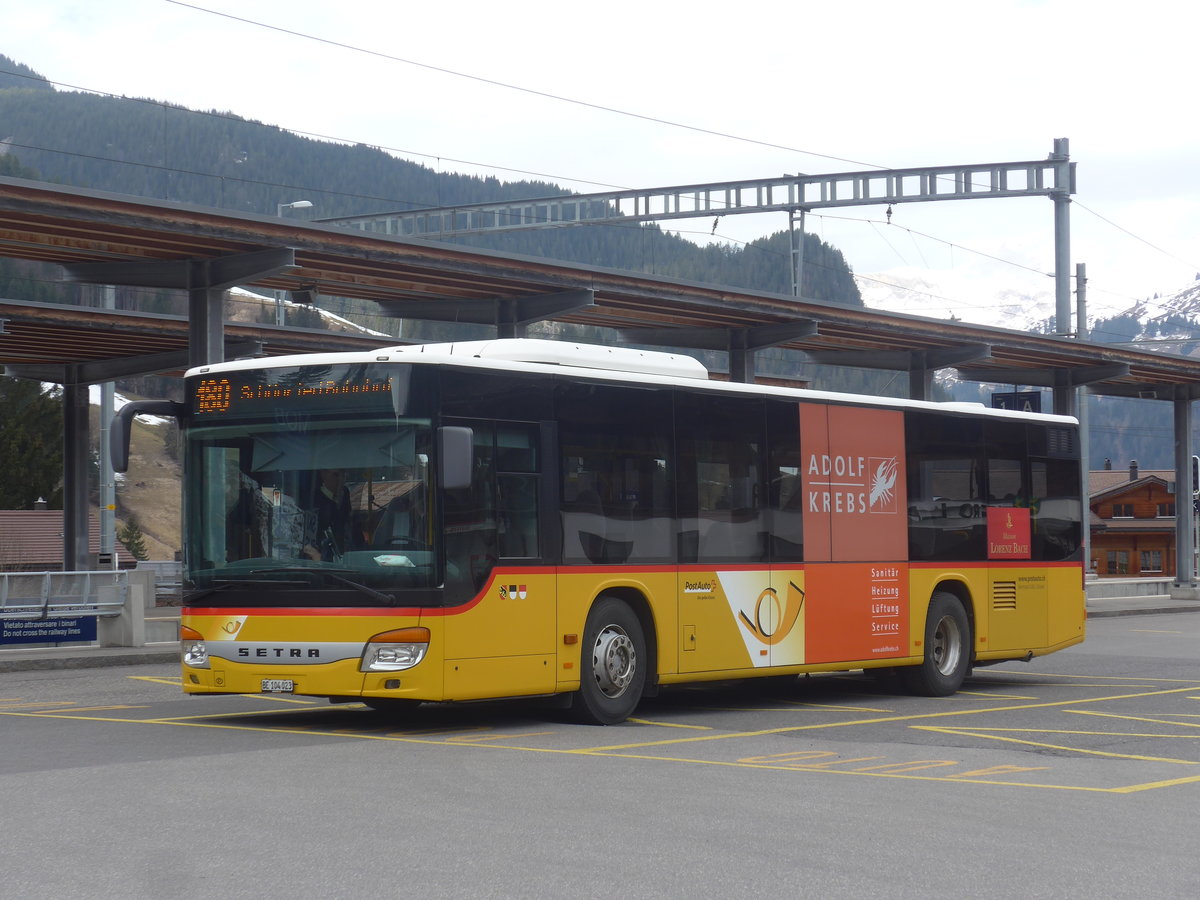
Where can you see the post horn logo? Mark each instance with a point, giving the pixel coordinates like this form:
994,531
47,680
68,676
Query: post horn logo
780,617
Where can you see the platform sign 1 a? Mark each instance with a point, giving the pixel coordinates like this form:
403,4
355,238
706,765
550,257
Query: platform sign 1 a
1020,401
59,630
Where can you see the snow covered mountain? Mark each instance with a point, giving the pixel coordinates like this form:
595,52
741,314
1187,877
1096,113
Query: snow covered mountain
1023,303
1026,303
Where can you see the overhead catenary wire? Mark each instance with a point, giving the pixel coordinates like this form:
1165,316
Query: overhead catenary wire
531,91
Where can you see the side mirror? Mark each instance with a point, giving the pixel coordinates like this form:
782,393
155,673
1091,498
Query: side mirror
122,423
456,457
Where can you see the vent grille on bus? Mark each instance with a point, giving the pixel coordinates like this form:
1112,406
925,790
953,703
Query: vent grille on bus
1004,595
1060,441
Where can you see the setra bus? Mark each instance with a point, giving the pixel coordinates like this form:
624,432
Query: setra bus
520,517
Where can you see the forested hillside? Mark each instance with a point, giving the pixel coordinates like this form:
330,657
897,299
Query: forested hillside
219,159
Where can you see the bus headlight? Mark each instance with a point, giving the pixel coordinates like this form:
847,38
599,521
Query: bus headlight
393,651
193,648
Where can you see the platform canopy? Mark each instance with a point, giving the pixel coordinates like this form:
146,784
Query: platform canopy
114,239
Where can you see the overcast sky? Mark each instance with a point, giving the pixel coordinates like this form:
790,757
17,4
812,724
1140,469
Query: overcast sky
843,85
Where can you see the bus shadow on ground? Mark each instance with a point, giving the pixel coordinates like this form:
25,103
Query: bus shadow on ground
685,704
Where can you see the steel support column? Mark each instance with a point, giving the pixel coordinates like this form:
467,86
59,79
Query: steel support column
1065,393
1062,235
1185,577
797,250
75,478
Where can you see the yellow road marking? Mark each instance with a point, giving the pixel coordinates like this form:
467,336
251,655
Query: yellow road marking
995,737
434,732
276,699
996,770
478,738
176,681
1134,734
839,706
849,772
1125,678
787,729
962,778
915,765
892,770
1153,785
670,724
1104,715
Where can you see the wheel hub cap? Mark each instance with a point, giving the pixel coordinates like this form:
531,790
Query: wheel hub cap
613,661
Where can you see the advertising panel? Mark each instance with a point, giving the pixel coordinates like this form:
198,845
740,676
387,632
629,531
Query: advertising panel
855,533
854,477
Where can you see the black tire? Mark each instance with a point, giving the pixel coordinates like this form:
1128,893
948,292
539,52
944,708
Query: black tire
948,644
612,664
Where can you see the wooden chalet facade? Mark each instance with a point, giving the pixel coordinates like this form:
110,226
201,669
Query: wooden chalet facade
1132,522
31,540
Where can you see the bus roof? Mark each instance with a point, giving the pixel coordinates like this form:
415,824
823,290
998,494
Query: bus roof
592,361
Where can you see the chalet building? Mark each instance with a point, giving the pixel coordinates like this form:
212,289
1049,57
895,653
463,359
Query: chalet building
31,540
1132,521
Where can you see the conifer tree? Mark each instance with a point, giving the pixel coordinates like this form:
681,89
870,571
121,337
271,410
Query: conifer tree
31,450
130,536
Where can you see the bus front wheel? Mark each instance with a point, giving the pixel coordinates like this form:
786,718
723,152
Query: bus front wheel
947,649
612,665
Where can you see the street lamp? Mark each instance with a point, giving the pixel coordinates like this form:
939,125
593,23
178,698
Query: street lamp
280,312
295,204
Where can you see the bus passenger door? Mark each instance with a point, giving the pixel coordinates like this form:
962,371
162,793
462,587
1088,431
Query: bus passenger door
729,615
500,619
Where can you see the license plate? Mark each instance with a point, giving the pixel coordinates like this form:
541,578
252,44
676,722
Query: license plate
278,685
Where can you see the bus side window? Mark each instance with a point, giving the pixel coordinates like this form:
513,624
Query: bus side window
517,480
947,507
785,495
616,479
1055,509
720,489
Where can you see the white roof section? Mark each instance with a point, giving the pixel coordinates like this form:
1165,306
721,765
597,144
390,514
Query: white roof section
568,353
621,364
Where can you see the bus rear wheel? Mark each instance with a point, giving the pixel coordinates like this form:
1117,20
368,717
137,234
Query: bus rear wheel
612,665
947,649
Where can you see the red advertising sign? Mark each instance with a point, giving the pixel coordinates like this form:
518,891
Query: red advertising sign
1008,532
854,483
855,533
856,611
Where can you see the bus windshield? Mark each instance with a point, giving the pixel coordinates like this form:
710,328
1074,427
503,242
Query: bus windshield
335,507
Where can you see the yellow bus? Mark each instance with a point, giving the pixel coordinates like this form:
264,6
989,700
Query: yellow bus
514,518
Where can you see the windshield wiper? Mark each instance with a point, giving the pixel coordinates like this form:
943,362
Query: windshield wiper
225,584
378,596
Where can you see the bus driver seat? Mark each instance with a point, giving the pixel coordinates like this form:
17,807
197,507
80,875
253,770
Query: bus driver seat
402,523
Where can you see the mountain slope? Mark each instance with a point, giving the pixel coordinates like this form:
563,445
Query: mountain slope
151,149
